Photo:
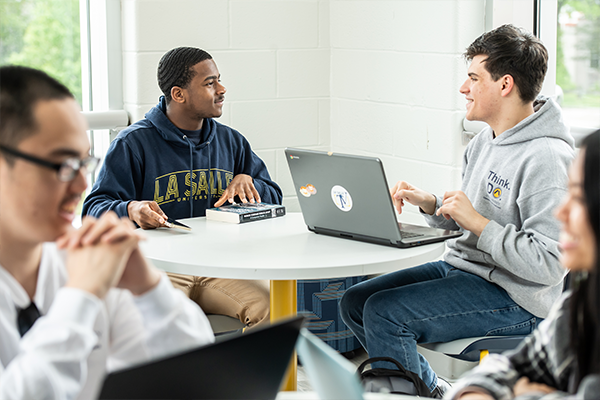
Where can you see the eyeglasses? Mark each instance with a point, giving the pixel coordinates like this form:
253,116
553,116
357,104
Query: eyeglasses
66,171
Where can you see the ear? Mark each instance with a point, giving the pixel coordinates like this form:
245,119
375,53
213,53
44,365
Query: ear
177,94
508,85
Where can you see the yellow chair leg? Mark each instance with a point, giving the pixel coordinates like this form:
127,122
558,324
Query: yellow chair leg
483,354
283,304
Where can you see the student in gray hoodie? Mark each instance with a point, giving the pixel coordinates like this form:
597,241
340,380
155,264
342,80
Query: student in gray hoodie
502,276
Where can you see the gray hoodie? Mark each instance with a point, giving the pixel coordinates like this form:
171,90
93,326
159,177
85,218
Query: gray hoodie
516,181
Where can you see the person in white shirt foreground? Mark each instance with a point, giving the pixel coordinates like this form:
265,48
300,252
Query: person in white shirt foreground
102,305
561,359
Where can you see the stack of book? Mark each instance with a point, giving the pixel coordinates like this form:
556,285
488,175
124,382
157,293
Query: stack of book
245,212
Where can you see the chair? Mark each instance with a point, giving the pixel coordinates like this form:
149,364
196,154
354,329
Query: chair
223,325
476,348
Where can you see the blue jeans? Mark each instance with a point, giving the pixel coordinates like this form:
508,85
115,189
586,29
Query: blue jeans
434,302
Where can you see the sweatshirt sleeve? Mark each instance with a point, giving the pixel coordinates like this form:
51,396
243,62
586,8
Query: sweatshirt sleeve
440,221
158,323
117,183
52,358
512,248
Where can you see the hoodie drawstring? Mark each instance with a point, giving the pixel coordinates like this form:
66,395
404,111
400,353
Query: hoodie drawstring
191,175
210,187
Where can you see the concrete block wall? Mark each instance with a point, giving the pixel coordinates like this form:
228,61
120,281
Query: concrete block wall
368,77
396,67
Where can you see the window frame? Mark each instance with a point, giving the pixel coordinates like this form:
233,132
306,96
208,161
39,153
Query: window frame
101,75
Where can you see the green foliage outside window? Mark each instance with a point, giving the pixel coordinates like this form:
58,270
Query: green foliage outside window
43,34
590,45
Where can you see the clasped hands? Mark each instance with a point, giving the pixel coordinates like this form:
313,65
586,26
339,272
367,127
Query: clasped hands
148,214
104,253
455,205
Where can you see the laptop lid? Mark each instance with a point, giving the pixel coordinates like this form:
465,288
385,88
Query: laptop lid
348,196
249,366
330,374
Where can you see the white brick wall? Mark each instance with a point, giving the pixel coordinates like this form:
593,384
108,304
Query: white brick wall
366,77
395,73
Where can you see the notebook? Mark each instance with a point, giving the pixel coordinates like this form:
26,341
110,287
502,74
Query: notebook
348,196
249,366
329,373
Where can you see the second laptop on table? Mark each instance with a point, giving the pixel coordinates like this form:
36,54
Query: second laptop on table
348,196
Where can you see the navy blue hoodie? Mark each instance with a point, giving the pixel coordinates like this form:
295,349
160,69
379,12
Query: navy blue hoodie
153,160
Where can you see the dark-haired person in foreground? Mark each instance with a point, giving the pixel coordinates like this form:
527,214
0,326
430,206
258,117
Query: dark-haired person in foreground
179,161
561,360
503,275
63,322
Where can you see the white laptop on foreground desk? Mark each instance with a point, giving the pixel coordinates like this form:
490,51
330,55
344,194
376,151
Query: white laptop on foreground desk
348,196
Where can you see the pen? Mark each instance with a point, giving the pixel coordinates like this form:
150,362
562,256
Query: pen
171,223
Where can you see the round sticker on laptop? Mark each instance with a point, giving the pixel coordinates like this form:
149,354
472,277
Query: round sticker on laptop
341,198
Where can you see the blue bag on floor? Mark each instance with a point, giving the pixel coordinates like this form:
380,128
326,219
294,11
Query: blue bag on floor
319,302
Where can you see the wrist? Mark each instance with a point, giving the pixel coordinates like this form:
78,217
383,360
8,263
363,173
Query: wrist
146,283
480,226
92,288
130,206
429,206
144,278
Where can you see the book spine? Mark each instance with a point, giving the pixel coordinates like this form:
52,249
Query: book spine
263,214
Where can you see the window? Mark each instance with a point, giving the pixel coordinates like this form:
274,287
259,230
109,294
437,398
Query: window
578,69
60,38
43,34
574,79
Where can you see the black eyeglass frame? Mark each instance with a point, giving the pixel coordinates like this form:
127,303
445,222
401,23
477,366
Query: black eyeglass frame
73,165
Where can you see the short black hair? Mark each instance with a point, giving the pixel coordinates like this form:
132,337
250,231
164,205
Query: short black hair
515,52
175,68
20,90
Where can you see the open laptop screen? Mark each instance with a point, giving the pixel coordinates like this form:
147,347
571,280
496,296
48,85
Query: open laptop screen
249,366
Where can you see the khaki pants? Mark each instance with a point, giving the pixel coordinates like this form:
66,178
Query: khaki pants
245,300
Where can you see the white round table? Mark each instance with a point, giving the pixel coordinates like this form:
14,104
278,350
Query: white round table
280,249
276,249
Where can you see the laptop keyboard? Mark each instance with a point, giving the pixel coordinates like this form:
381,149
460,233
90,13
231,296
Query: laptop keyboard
409,235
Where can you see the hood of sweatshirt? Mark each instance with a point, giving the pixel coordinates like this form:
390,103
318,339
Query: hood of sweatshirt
546,121
169,132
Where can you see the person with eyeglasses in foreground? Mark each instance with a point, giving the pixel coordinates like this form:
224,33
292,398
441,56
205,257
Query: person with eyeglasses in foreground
561,359
74,304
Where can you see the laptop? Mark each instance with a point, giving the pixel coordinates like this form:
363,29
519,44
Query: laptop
249,366
348,196
329,373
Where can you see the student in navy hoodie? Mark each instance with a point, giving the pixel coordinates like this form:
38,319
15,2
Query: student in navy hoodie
179,161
